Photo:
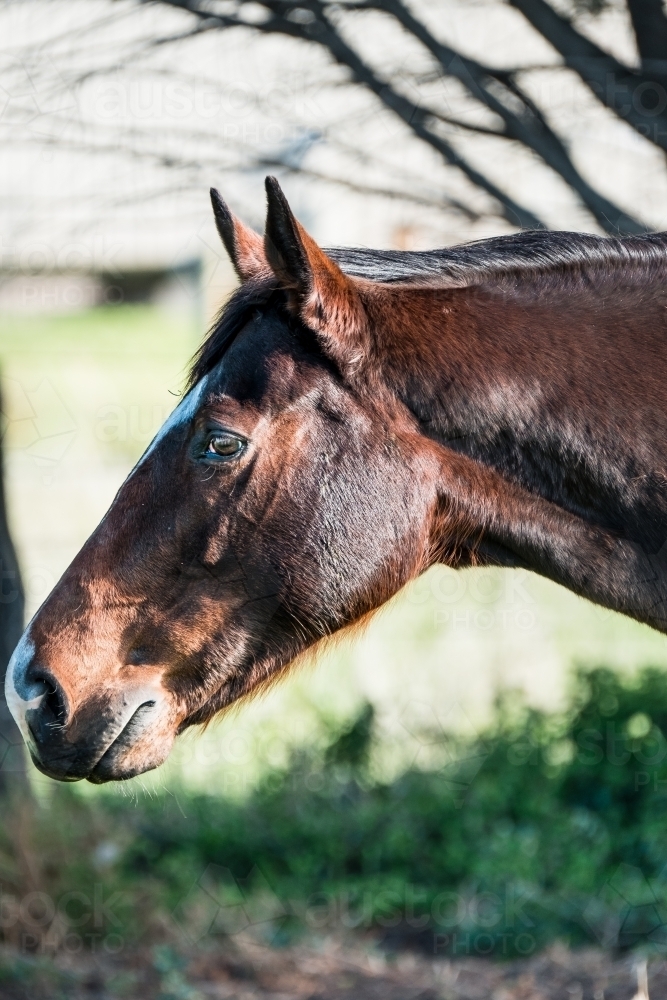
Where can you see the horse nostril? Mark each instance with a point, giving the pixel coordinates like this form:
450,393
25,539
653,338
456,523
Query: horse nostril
55,704
52,710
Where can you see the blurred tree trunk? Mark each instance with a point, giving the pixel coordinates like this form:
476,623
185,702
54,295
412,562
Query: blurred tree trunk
13,761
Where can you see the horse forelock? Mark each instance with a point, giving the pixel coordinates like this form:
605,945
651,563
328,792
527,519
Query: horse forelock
233,316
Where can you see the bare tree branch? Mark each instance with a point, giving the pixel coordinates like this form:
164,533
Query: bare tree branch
373,190
529,127
637,98
650,27
321,32
499,95
497,90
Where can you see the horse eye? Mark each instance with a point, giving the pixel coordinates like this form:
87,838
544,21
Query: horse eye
224,446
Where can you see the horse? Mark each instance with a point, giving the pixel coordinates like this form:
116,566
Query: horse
352,418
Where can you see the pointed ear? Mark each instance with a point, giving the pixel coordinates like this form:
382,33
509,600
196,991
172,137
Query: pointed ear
244,246
326,299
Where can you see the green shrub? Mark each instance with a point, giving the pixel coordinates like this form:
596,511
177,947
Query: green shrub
544,826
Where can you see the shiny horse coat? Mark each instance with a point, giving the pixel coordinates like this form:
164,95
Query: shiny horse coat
353,418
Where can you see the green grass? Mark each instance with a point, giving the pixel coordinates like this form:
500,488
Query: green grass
131,357
544,826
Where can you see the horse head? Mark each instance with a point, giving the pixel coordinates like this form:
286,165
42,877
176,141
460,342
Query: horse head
289,494
345,427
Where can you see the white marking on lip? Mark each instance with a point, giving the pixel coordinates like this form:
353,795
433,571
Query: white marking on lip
18,664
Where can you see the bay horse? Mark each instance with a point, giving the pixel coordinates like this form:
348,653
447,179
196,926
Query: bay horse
354,417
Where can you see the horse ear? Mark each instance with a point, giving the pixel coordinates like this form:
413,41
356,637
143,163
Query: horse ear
327,300
244,246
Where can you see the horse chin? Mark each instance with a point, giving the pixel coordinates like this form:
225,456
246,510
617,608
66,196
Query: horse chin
115,766
106,771
129,756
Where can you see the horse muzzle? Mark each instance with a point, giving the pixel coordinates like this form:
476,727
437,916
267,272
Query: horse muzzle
109,736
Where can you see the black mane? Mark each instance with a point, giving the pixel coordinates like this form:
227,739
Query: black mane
535,252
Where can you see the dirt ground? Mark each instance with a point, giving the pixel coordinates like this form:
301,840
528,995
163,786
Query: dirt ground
331,970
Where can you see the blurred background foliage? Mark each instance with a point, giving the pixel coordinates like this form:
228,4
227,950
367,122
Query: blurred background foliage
545,826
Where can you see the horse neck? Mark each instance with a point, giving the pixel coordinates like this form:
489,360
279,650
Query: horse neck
560,393
533,450
466,363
